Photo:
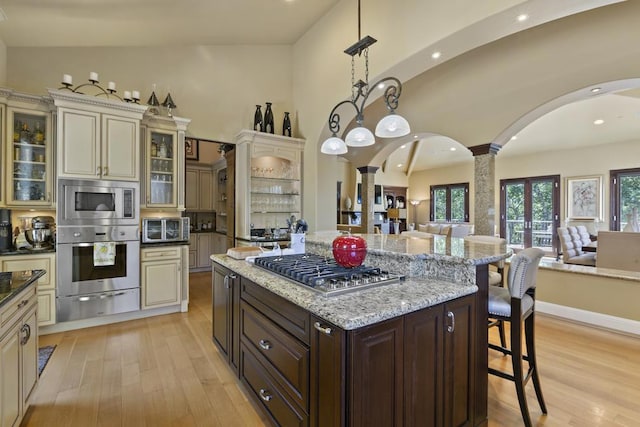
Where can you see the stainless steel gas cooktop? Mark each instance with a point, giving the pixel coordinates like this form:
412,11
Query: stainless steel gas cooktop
324,275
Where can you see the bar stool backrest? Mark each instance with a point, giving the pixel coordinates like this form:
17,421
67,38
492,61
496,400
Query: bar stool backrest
523,271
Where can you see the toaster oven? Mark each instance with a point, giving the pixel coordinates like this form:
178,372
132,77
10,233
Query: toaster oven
160,230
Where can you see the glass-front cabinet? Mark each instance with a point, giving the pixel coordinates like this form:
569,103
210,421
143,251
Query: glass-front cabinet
163,182
161,165
273,192
29,162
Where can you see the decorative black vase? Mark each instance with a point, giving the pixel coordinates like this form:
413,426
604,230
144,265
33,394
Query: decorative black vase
268,120
286,124
257,120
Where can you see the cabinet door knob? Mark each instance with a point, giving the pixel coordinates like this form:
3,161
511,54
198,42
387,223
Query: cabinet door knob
98,171
265,395
319,327
106,170
452,325
265,345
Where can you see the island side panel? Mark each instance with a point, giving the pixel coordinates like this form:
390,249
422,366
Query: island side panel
482,345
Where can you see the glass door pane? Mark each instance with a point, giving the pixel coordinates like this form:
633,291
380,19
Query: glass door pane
629,186
162,165
440,204
514,214
542,214
457,204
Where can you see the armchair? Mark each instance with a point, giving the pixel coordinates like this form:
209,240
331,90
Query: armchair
571,242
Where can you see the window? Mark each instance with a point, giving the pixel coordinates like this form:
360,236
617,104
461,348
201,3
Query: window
529,212
450,202
625,195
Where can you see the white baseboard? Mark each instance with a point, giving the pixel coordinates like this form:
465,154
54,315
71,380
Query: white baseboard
600,320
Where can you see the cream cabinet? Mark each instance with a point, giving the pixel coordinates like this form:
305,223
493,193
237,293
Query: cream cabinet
28,151
97,138
18,356
269,181
163,180
199,188
161,276
46,285
201,246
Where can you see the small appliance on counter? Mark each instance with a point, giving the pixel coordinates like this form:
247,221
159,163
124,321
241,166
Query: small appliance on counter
162,230
41,232
6,231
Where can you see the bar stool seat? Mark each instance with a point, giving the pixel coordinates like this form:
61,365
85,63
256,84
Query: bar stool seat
516,304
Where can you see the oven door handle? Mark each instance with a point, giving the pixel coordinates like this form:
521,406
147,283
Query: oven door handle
87,245
85,298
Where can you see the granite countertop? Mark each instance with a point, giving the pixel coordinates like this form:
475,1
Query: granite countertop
14,282
356,309
50,250
434,247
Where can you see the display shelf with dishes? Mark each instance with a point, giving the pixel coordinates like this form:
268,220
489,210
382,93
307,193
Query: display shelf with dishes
272,195
163,180
29,158
162,166
221,195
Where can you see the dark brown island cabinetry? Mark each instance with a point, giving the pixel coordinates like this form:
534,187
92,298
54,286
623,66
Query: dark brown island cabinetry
226,313
412,370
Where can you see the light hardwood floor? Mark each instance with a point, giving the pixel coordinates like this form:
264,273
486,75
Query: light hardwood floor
165,371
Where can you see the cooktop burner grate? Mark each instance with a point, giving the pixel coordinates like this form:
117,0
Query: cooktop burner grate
325,275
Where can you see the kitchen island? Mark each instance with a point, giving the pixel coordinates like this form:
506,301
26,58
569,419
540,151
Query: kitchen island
410,353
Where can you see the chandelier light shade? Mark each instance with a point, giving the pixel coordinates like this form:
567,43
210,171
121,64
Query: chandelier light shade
391,126
359,137
334,146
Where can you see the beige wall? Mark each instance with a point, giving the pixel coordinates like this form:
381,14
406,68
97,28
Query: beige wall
3,64
217,87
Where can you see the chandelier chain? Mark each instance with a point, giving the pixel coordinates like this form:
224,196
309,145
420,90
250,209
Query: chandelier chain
366,69
353,79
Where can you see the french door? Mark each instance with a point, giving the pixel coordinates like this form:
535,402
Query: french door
530,212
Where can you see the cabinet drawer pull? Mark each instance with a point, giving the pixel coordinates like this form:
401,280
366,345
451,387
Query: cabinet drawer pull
233,276
452,318
23,303
106,170
265,395
265,345
319,327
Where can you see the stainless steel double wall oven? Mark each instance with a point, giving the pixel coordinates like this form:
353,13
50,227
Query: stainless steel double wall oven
98,248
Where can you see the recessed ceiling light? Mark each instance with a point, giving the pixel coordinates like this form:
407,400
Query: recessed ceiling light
436,55
399,165
514,137
522,17
452,149
598,122
403,146
415,136
596,90
380,85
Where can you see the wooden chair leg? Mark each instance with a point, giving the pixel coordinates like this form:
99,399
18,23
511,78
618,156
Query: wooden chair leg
503,339
529,326
518,374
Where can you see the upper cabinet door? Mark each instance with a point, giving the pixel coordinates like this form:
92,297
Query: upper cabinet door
78,144
120,148
161,169
28,159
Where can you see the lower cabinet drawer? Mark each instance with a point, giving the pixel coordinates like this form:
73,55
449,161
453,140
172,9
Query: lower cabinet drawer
267,392
286,358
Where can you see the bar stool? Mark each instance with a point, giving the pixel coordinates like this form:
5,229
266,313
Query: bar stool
516,304
496,278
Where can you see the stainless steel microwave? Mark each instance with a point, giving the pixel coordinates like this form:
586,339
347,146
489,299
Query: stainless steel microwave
158,230
96,202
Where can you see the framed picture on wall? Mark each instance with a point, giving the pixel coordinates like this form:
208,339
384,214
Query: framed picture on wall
191,149
584,197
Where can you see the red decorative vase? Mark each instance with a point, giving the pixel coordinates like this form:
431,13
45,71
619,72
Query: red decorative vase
349,251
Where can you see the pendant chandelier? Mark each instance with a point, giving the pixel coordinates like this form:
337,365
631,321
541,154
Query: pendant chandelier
390,126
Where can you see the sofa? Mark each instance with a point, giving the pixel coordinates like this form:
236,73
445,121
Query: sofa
451,229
